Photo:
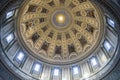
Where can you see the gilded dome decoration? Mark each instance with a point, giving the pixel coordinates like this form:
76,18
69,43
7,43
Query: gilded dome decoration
60,30
60,40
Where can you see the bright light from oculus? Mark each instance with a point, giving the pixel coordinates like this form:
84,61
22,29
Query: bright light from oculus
9,14
107,46
93,61
9,38
20,56
60,18
75,70
37,67
56,72
111,22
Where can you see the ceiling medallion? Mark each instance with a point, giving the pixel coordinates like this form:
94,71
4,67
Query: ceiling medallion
61,19
60,30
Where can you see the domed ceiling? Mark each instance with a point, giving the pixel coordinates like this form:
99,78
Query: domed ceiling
60,30
60,39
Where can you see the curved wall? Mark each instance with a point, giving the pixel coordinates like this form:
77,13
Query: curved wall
24,69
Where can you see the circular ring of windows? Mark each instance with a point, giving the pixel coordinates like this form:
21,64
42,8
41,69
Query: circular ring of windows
29,67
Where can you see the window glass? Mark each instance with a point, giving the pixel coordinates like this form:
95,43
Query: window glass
9,38
9,14
111,22
37,67
93,61
107,46
56,72
20,56
75,70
